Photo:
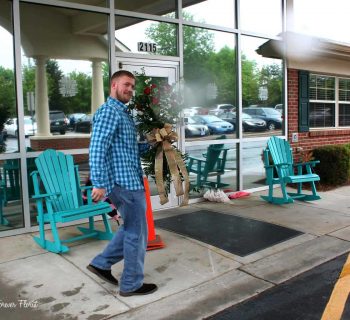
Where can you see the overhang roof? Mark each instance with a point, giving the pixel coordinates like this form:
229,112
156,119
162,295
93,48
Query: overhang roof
298,46
63,33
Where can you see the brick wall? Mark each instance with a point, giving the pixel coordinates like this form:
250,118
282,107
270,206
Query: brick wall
308,140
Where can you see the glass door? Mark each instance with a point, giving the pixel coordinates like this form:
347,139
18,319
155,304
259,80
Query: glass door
162,71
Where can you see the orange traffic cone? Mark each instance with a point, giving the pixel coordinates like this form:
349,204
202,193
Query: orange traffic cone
154,240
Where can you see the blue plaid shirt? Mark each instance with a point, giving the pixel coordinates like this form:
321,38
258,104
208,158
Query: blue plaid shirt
114,151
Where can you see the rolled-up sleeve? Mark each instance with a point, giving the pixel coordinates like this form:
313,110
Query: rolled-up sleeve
105,122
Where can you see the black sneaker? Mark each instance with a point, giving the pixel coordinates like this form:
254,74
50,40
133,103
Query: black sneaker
146,288
105,275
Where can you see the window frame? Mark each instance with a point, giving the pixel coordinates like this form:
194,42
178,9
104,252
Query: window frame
333,103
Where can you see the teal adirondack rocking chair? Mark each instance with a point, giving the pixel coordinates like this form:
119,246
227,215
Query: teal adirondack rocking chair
213,164
10,188
63,201
278,158
3,220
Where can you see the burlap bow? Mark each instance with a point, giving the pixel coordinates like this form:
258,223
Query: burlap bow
162,139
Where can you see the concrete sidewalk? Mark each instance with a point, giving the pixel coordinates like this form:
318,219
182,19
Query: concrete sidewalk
195,280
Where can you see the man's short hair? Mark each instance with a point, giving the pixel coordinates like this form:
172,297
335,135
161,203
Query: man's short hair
121,73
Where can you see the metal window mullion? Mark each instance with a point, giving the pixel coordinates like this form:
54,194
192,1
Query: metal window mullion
284,72
180,44
336,109
111,39
20,112
239,155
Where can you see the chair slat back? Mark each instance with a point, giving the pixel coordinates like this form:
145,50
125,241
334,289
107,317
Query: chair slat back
57,174
212,159
281,153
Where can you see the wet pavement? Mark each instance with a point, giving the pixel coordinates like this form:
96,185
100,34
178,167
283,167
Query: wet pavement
196,280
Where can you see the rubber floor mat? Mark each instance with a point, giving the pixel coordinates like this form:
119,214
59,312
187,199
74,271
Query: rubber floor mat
237,235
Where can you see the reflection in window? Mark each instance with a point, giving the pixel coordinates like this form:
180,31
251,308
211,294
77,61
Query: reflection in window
99,3
322,87
209,73
211,13
321,115
344,89
11,214
253,166
324,102
262,83
159,8
344,115
7,79
146,36
261,16
211,167
56,90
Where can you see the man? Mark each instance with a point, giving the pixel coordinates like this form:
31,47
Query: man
115,170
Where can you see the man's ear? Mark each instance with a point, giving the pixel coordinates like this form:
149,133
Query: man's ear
114,84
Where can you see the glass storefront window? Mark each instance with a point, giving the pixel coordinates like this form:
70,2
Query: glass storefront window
261,16
146,36
262,96
253,165
159,8
8,105
209,83
211,12
212,166
11,209
64,70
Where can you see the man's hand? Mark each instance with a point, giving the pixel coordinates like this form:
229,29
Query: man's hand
98,194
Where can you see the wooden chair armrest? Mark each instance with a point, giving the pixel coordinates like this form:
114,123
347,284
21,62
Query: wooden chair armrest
282,164
47,195
312,163
86,187
195,158
88,193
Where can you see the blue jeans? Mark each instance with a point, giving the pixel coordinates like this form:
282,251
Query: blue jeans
130,241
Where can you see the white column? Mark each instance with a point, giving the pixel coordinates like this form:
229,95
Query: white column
41,98
97,94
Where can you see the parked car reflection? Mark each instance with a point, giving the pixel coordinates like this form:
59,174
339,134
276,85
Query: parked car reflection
194,128
272,117
74,118
249,123
192,111
84,124
215,124
58,121
321,116
219,109
11,127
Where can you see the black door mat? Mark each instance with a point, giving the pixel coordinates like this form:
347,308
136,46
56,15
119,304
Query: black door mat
237,235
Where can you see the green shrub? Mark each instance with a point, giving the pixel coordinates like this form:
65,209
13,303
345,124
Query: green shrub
334,166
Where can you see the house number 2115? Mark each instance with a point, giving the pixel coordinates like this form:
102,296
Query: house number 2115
146,47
